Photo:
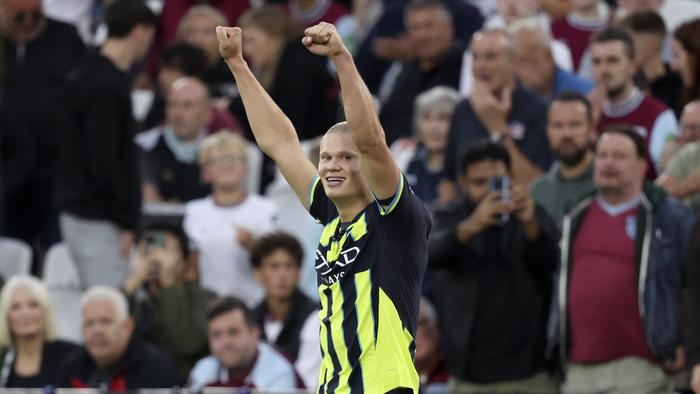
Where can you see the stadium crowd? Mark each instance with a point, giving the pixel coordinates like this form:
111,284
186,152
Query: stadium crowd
147,242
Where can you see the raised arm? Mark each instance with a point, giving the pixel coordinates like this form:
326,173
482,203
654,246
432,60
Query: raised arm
273,131
378,166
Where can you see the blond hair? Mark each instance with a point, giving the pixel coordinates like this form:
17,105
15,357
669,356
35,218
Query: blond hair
223,139
39,293
208,11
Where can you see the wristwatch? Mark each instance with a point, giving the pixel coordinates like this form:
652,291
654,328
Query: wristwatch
496,136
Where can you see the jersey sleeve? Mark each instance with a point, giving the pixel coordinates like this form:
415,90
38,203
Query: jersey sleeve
321,207
404,208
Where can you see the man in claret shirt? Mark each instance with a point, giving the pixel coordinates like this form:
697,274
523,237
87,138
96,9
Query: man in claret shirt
620,102
617,322
576,28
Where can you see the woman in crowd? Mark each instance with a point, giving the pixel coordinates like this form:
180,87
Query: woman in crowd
686,58
30,353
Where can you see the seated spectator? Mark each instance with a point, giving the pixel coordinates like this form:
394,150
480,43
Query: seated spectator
682,173
184,60
113,359
616,100
430,358
168,310
224,225
308,13
29,349
492,258
534,64
570,129
575,30
436,61
238,358
287,318
501,109
169,171
653,76
686,57
422,158
198,28
615,329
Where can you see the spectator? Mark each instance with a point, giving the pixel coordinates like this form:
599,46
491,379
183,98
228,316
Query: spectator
169,170
492,280
534,63
682,176
501,109
436,61
168,310
616,100
197,28
97,190
310,12
570,129
224,224
617,315
576,29
239,359
686,58
30,42
287,319
430,358
691,306
653,76
685,136
184,60
113,359
29,347
422,158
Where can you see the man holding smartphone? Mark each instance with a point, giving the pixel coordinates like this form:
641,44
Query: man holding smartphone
493,254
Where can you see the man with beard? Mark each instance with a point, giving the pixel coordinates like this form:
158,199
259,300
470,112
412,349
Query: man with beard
569,130
617,101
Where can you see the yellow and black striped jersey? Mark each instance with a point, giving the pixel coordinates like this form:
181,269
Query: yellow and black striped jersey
369,280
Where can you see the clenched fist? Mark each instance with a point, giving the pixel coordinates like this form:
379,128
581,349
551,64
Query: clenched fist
323,39
229,42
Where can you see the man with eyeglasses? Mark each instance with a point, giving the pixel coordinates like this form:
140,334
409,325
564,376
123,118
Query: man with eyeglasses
682,175
224,225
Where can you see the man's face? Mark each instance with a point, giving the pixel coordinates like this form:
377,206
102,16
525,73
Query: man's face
22,20
187,110
232,341
512,10
279,274
429,31
427,339
584,4
339,168
144,39
617,166
476,180
690,123
225,168
569,131
433,125
491,60
612,68
106,336
201,33
532,61
647,47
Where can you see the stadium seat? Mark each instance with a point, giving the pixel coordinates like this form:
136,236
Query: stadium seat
15,257
61,278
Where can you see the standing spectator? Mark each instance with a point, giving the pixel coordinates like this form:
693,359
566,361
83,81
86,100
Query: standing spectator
534,63
691,306
616,100
570,128
686,58
682,173
287,318
97,190
501,109
38,53
169,170
29,349
430,358
617,315
310,12
168,310
113,359
492,280
238,358
653,76
422,158
223,226
436,60
576,29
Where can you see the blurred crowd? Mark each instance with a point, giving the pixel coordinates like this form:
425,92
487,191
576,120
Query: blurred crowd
147,242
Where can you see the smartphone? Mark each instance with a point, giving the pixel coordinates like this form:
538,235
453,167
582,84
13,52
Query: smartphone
153,239
501,183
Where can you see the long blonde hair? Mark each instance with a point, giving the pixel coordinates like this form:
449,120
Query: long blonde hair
40,293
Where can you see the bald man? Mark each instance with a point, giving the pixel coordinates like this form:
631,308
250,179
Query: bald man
534,64
169,169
